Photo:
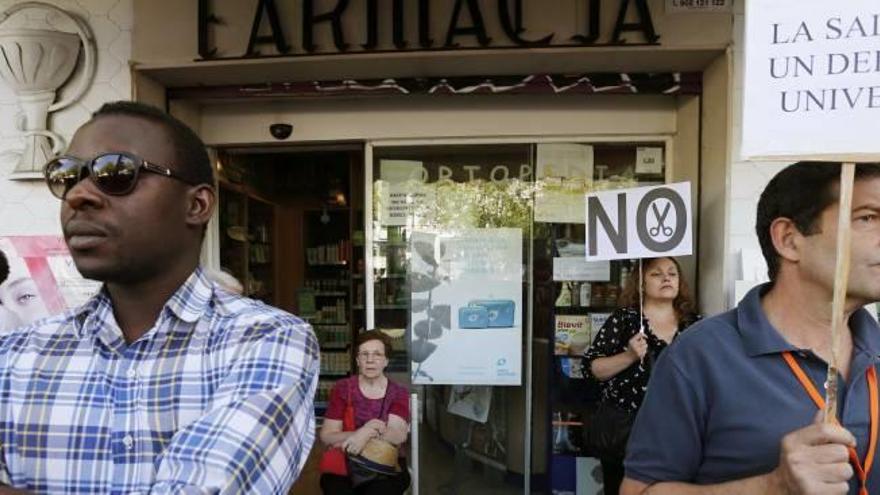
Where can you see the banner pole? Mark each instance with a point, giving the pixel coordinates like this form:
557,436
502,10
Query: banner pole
641,299
841,278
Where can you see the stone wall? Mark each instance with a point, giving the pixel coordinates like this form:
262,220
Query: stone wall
26,207
747,179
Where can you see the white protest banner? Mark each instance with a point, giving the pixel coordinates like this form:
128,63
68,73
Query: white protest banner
642,222
812,80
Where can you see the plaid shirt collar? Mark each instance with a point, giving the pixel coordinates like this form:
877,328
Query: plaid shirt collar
186,305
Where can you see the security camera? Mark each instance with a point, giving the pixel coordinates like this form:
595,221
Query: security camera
280,131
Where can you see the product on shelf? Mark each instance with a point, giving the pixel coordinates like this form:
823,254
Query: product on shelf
572,334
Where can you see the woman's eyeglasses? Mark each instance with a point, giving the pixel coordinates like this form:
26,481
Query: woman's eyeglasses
366,356
114,173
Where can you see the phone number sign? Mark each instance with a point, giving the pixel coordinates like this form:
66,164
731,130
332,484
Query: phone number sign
673,6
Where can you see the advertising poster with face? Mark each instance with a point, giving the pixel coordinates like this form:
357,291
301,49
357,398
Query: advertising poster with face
41,280
466,307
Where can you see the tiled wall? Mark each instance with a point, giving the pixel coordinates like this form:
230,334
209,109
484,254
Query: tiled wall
26,208
747,179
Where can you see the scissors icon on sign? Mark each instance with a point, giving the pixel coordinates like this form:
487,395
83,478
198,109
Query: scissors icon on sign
661,222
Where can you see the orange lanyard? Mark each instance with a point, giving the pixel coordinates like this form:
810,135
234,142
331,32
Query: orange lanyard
871,374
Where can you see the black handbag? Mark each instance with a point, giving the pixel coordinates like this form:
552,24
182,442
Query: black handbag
360,473
607,431
362,470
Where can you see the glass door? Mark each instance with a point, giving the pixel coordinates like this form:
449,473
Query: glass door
449,261
474,264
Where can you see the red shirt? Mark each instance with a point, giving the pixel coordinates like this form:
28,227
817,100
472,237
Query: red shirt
396,402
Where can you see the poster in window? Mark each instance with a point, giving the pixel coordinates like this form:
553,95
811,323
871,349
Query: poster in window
466,307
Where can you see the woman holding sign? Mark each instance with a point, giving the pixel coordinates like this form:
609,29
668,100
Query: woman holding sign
624,350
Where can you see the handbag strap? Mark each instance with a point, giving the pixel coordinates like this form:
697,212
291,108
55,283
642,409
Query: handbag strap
383,411
348,416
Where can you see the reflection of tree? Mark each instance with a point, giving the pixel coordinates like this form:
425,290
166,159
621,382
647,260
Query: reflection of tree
475,204
437,318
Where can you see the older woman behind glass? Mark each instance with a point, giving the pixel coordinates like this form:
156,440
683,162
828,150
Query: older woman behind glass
381,410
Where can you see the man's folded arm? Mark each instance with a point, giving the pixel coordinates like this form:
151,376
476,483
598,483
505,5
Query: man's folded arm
256,435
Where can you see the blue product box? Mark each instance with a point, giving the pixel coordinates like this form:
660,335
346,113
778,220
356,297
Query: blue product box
473,317
500,311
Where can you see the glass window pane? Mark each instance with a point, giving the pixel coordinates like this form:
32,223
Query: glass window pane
441,215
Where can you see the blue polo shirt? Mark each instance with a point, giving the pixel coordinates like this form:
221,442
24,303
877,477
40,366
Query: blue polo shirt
721,398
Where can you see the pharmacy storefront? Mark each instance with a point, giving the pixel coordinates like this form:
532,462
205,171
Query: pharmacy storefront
419,168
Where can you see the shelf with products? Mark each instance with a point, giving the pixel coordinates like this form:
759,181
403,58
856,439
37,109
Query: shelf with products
335,362
327,285
322,395
335,337
247,223
329,253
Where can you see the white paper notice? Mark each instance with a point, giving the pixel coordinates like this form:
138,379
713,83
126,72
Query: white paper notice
649,160
578,269
471,402
564,174
396,171
403,203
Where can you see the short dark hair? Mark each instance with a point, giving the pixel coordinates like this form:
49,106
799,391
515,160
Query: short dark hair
369,335
192,157
800,192
4,267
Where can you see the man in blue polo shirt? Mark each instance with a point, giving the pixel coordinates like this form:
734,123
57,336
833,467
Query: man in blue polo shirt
725,411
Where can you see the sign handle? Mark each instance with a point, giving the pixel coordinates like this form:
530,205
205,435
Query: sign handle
641,303
841,278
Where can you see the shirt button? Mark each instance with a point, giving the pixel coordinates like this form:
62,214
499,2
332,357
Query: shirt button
128,441
132,373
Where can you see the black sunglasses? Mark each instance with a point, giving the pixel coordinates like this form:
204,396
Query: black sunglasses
115,173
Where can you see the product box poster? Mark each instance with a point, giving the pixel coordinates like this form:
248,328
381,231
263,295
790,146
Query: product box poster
466,307
572,334
42,280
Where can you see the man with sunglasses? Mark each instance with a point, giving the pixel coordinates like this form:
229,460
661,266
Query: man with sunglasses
163,382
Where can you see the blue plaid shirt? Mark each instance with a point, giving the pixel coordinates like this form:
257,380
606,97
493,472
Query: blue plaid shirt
215,398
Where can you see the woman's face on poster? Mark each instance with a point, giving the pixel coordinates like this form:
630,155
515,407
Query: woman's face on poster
20,301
